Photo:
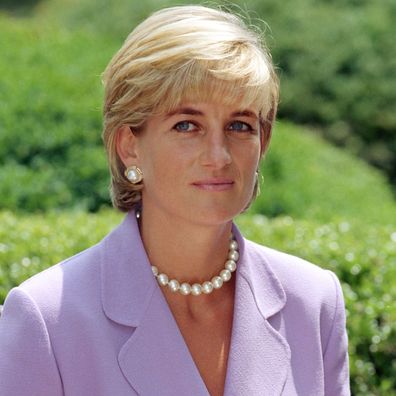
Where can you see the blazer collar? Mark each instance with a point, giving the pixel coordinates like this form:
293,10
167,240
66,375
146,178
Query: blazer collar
156,359
127,280
259,357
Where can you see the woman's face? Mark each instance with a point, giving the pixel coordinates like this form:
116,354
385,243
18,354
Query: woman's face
199,161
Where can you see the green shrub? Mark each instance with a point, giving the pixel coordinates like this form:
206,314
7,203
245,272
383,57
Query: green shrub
363,257
307,178
29,244
51,153
337,66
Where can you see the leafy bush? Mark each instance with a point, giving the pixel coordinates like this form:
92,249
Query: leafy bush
363,257
51,153
306,178
337,64
29,244
20,7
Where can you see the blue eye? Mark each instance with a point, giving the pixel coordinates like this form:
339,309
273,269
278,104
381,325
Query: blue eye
240,126
185,126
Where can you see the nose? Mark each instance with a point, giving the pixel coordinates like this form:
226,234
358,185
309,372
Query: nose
216,151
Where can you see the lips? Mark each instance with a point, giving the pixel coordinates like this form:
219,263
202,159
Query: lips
214,184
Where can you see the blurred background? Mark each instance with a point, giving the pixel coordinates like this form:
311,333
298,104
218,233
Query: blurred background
329,188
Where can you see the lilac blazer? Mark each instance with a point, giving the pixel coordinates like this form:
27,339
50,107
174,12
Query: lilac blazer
98,324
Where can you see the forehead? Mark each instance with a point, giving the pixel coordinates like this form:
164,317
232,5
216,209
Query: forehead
216,107
231,94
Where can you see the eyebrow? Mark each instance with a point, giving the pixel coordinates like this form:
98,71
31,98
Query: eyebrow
195,112
184,110
244,113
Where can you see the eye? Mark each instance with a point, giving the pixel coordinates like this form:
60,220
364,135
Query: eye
240,126
185,126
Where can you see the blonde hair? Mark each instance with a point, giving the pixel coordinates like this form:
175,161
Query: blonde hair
179,54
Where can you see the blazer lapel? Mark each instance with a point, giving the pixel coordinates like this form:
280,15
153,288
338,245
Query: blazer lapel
155,359
259,357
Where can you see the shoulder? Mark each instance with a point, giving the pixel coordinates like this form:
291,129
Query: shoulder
314,302
300,279
85,262
69,283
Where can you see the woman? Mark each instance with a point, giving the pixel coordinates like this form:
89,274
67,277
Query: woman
175,301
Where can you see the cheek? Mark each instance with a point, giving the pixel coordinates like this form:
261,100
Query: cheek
163,165
248,157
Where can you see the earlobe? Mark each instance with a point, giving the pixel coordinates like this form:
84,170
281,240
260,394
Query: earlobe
126,145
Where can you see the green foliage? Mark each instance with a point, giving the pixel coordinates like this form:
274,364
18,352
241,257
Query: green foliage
363,257
20,7
113,19
337,61
307,178
29,244
51,153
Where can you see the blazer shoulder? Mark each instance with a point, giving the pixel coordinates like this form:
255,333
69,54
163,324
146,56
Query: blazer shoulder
68,283
73,266
298,276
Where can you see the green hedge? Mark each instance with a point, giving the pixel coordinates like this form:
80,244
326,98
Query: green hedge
306,178
363,257
51,153
337,66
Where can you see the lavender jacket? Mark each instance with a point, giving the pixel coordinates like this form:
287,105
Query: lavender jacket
98,324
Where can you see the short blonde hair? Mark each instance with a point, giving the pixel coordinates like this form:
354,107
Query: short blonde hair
179,54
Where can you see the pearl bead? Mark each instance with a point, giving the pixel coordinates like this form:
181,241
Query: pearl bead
174,285
185,288
163,279
233,255
231,265
207,287
217,282
196,289
133,175
225,275
234,245
155,270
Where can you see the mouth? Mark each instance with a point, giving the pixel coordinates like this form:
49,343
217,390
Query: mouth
214,184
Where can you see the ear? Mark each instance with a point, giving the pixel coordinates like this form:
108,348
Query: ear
126,145
265,137
266,130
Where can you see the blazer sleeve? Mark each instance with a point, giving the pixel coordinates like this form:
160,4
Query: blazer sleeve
27,362
335,357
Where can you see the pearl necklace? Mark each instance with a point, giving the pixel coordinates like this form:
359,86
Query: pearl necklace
208,286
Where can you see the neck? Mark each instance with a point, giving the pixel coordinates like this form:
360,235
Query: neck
184,251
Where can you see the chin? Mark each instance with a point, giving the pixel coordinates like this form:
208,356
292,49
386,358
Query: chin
216,215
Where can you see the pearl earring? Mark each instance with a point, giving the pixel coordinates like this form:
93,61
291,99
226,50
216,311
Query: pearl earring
134,174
